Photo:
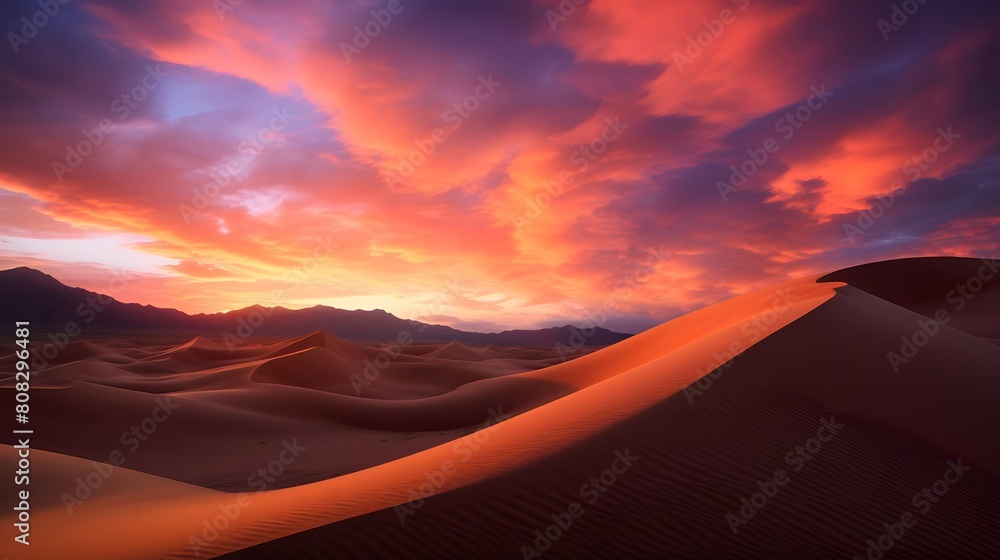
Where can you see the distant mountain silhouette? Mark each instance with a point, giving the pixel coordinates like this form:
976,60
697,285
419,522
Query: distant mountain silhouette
27,294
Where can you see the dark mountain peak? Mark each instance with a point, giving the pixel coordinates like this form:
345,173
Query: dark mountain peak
24,273
19,270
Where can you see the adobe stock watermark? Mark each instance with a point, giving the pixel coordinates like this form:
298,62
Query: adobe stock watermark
580,159
375,366
696,44
463,450
122,106
590,492
223,7
291,450
231,510
922,501
247,325
796,459
753,329
235,167
364,34
87,312
787,125
31,25
609,307
900,15
132,439
930,327
454,116
563,11
914,168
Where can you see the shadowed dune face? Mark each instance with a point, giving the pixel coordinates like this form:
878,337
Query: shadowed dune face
966,290
777,424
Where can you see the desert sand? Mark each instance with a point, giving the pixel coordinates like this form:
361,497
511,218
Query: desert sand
644,449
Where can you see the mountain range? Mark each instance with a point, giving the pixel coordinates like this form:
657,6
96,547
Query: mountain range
31,295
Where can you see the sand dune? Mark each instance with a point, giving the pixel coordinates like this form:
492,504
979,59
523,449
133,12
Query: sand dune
695,415
459,351
929,285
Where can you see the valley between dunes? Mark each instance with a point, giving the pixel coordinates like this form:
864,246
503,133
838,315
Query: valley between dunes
454,451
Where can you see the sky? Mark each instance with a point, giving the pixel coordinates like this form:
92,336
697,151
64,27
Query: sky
491,165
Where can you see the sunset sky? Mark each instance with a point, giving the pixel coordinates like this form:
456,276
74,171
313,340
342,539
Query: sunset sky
491,165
